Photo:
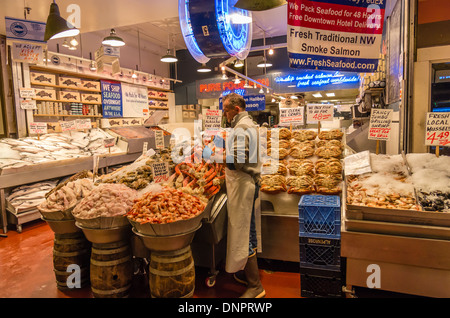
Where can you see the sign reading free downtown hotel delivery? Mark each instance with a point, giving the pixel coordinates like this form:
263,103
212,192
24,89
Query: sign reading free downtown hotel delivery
341,35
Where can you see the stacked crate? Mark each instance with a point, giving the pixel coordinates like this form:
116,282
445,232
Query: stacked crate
321,269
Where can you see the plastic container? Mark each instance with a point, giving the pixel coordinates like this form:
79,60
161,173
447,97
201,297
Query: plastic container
320,216
320,253
316,283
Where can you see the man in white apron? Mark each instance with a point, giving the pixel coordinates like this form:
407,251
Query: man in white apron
242,177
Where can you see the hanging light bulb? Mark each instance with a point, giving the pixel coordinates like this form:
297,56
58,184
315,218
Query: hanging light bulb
92,66
224,76
66,44
73,42
261,91
270,50
237,80
246,85
134,75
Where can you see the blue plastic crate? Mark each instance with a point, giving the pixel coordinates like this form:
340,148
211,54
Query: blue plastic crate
320,216
320,253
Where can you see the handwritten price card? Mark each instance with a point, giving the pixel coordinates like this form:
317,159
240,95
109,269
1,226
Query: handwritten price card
38,128
438,129
380,124
319,112
68,125
160,172
83,124
159,139
292,115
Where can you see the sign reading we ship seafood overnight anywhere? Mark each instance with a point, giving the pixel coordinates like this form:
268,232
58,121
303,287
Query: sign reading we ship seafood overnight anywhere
341,35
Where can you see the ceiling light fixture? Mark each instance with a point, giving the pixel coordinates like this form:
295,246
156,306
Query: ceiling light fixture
113,39
238,63
264,63
270,50
93,66
330,94
73,42
237,80
57,27
246,85
169,58
203,69
317,95
66,44
72,48
237,18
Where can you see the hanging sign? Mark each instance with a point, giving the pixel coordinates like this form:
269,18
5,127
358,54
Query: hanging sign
292,116
380,124
26,30
252,102
319,112
27,53
111,99
344,35
438,129
135,100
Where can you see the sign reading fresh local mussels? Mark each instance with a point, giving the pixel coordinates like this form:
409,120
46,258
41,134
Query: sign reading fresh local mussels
111,99
343,35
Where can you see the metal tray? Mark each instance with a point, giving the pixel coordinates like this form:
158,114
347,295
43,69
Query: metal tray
103,222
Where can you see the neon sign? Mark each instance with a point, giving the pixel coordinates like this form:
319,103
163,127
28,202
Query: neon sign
316,79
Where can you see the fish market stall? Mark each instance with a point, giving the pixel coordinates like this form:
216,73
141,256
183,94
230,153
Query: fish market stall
29,160
397,220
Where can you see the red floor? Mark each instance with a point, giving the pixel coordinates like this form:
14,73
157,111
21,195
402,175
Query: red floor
26,268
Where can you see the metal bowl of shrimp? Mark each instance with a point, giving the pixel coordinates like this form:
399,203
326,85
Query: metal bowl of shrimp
166,243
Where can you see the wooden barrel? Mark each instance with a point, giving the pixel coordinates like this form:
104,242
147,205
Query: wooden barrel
172,274
69,250
111,270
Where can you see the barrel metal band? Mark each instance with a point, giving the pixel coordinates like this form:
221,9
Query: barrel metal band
110,292
112,262
172,273
68,254
112,251
160,259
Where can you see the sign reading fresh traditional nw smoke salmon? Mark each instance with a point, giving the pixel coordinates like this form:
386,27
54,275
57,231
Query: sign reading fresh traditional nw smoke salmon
342,35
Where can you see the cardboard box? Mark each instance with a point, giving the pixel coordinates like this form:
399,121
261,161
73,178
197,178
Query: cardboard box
42,78
69,82
67,96
93,85
45,94
91,98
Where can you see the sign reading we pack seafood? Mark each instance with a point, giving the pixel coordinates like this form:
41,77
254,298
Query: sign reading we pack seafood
341,35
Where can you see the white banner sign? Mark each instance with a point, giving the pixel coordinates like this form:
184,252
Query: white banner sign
438,129
134,100
292,115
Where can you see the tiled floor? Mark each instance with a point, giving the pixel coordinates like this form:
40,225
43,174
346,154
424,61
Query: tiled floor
26,266
26,271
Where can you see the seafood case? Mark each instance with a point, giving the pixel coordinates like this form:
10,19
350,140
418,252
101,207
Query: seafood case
410,190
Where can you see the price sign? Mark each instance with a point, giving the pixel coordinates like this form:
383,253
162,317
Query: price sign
213,119
109,142
380,124
83,124
28,104
292,115
68,125
160,172
38,128
27,93
438,129
159,139
319,112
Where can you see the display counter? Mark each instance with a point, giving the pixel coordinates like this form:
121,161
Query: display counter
409,248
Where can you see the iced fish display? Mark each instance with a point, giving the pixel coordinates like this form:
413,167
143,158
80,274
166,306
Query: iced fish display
27,197
15,153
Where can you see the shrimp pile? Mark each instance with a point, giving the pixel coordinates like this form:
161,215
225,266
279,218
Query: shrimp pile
168,206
